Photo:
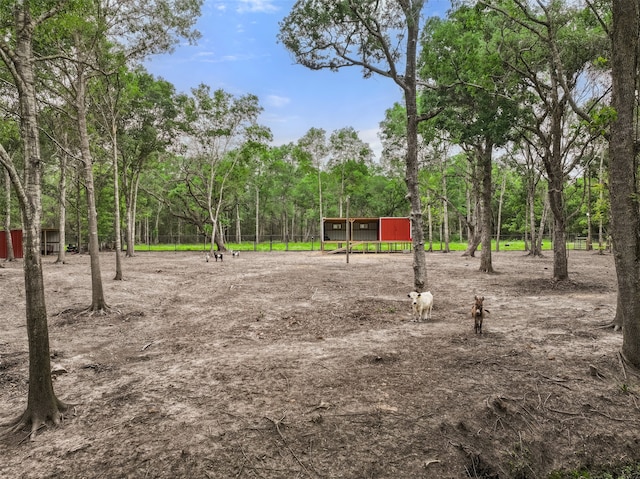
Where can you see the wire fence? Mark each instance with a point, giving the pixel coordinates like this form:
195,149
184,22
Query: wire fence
312,243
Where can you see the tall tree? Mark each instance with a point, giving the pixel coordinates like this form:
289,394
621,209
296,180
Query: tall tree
63,162
70,75
623,168
110,89
314,144
527,161
218,124
461,64
345,145
150,117
19,23
550,46
380,38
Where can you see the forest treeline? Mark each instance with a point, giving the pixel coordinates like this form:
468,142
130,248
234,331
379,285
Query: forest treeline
197,162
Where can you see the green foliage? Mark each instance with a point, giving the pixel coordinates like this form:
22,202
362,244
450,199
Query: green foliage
226,158
461,60
601,118
338,34
628,471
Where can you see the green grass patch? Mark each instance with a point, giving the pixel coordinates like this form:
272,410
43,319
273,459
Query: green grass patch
629,471
517,245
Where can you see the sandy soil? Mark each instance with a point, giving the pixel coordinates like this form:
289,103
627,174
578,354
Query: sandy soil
298,365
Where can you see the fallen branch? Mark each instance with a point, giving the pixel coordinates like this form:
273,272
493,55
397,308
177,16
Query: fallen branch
568,413
619,419
276,423
621,360
31,433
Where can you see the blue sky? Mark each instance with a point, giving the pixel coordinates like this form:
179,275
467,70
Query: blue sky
239,53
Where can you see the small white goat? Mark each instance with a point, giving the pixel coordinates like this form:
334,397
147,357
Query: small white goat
422,303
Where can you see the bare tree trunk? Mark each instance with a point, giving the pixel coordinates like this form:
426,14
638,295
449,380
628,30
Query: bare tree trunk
130,212
155,237
341,186
42,404
257,238
601,198
220,239
412,166
116,200
531,201
78,216
552,159
98,303
445,212
238,224
469,189
543,223
62,206
625,217
556,203
430,225
587,174
293,225
486,216
7,216
128,227
131,201
499,226
526,226
417,233
474,221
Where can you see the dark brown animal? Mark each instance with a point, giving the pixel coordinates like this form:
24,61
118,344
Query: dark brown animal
477,312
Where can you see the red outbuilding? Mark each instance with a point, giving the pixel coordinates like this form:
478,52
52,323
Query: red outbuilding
16,242
394,233
395,229
49,242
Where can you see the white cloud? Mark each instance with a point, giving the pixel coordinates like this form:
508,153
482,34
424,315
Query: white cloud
371,137
277,101
229,58
256,6
205,54
210,57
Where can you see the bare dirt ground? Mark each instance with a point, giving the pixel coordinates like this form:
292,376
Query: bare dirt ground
298,365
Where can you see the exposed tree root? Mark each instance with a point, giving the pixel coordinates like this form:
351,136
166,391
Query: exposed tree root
627,366
35,421
104,310
611,325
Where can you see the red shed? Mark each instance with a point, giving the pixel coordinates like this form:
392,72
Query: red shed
395,229
16,241
363,232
